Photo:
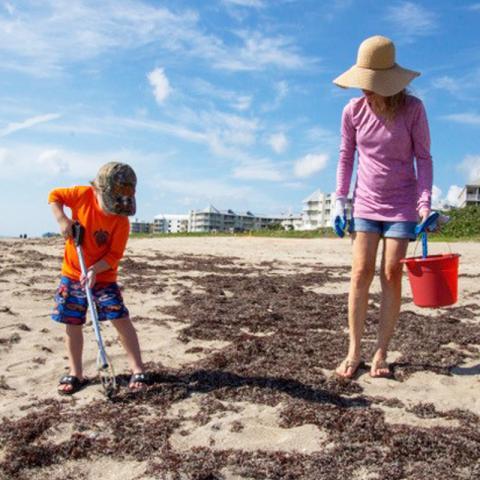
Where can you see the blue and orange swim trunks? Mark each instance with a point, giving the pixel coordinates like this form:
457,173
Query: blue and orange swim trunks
71,303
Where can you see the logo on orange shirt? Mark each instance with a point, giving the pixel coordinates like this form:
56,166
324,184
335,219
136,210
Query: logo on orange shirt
101,237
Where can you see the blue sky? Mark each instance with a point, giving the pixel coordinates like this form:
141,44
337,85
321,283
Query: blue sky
228,102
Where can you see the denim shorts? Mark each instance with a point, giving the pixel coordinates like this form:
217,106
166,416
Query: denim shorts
71,302
384,229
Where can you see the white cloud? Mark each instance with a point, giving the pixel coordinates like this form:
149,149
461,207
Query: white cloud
258,170
452,195
281,90
278,142
177,131
54,162
9,8
224,134
44,162
46,41
245,3
411,20
451,199
242,102
161,86
203,189
29,123
447,83
464,86
238,101
466,118
471,167
310,164
259,52
333,9
436,197
474,7
322,139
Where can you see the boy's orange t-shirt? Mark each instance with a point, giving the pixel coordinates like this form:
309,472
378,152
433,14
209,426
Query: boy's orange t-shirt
105,237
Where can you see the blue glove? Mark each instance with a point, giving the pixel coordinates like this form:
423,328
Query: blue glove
339,225
428,225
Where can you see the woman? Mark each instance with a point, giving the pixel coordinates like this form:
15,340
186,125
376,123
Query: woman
389,130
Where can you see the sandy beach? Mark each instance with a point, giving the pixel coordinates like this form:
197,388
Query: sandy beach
242,336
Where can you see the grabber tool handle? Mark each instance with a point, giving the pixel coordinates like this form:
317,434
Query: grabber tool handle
78,233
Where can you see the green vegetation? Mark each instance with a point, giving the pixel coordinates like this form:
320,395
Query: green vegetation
464,225
320,233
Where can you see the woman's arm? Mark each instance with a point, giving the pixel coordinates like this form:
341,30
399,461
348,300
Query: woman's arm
346,158
421,150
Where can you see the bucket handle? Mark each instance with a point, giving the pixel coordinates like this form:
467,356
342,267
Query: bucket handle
422,229
425,254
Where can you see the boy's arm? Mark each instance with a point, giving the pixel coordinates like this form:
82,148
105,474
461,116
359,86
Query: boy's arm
58,198
64,222
111,260
119,242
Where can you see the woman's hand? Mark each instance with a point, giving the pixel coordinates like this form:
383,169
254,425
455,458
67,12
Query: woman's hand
424,213
339,217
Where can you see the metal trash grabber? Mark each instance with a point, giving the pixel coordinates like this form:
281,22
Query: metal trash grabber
104,366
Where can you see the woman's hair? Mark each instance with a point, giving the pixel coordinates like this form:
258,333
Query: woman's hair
390,106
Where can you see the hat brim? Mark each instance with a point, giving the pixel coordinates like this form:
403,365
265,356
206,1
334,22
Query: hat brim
383,82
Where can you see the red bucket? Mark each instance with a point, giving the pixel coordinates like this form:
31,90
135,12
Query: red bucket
434,279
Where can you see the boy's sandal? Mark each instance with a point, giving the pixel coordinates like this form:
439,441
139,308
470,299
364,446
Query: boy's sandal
74,382
345,365
141,378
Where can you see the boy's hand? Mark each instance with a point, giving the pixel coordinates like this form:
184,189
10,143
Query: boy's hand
89,279
65,227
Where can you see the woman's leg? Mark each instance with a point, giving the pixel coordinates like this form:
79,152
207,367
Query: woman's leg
74,346
365,246
394,249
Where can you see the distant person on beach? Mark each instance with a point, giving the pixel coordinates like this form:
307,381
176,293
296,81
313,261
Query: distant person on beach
388,129
103,209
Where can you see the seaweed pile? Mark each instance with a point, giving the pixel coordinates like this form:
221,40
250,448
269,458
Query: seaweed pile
282,335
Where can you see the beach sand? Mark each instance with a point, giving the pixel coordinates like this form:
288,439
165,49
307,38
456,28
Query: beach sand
242,336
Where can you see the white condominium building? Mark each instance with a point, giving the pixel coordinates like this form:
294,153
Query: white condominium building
170,223
137,226
470,195
319,208
292,222
211,219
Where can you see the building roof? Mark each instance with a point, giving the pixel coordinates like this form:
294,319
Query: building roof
248,213
171,216
313,196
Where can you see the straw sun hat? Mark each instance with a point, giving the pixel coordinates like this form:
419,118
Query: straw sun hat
376,69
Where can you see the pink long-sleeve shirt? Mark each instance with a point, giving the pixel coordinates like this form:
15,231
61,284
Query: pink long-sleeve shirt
389,186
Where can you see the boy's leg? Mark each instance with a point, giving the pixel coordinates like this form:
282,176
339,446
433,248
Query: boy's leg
74,346
128,337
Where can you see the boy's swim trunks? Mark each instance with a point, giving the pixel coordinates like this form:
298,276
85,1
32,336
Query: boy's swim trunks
71,303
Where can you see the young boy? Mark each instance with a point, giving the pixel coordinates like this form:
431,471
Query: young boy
103,209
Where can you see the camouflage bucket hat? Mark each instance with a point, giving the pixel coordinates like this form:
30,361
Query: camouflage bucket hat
116,182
